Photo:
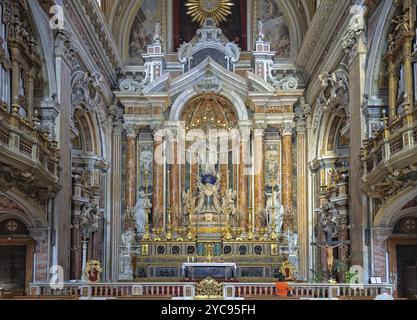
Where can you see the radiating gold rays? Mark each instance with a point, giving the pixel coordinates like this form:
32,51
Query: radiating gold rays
200,10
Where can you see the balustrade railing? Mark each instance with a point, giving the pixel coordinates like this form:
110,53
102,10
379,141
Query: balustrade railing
390,142
186,290
115,290
22,138
306,290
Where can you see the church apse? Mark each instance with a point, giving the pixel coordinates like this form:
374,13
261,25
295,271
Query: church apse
210,157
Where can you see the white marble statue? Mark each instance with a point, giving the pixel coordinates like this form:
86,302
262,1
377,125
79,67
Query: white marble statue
125,260
292,242
274,210
188,202
260,31
228,204
157,32
127,240
142,204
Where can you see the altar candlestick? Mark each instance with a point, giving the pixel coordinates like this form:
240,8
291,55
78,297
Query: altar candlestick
191,174
169,188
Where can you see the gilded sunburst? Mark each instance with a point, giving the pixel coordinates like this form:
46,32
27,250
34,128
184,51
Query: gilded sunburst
200,10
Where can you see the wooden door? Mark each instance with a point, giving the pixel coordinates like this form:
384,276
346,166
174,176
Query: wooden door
16,265
409,282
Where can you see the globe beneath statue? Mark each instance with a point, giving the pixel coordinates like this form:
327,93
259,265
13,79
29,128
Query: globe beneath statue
208,179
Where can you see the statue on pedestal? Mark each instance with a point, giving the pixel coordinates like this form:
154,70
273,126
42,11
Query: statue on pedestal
209,186
229,207
274,210
143,205
127,238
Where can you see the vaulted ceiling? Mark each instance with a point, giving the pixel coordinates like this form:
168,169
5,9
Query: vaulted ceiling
120,16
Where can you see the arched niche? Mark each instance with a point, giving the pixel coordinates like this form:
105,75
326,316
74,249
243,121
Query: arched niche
182,100
209,111
85,140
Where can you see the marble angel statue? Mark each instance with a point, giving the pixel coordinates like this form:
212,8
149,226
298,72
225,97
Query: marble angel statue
229,206
188,202
143,205
274,210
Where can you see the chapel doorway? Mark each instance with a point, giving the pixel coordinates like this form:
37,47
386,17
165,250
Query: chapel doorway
16,257
402,250
407,271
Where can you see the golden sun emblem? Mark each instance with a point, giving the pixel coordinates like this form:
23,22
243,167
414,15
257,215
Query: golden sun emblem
200,10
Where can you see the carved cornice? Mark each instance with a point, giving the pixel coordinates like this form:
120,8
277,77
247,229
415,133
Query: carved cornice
391,183
26,182
320,32
97,44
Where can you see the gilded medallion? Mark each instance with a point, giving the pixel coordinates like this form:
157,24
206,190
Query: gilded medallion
200,10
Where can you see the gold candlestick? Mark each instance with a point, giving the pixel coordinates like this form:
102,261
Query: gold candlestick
273,235
169,226
251,236
190,235
147,235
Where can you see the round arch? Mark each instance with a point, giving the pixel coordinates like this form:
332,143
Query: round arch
29,214
390,213
378,47
186,96
85,123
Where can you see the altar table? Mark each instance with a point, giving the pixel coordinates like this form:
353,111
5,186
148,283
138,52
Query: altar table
196,271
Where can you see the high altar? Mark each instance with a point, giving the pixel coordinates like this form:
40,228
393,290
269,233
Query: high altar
209,160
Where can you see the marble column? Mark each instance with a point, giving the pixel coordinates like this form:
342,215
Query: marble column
408,66
243,184
15,75
287,164
31,93
130,196
258,159
302,205
158,187
174,188
393,77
